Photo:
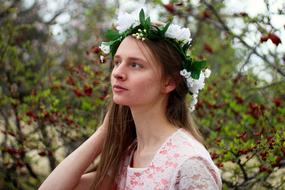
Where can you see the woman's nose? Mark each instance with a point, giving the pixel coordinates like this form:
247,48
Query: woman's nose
119,73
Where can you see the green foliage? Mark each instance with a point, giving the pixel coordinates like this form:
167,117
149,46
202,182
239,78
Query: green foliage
242,128
44,106
52,97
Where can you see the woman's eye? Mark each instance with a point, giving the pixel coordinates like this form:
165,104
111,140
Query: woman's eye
136,65
115,63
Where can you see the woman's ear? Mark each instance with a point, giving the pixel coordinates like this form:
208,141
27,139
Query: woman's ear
169,85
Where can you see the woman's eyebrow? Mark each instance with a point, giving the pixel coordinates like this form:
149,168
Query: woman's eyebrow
131,58
137,59
117,57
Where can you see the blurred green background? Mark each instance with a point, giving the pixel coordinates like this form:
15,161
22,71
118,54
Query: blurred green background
54,90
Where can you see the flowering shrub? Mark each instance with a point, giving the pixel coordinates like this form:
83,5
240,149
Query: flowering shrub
52,99
245,131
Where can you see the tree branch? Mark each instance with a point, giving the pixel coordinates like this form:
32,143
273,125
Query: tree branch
227,29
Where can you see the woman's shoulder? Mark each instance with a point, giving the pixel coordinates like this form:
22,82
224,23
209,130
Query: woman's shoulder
195,160
188,145
197,173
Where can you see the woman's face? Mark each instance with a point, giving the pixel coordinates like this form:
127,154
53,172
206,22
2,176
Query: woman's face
136,71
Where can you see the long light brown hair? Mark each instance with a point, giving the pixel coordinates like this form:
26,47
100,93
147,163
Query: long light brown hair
121,131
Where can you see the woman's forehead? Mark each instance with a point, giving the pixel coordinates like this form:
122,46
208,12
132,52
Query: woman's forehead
137,49
130,48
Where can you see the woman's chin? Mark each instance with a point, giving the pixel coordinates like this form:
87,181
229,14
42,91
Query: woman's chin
120,102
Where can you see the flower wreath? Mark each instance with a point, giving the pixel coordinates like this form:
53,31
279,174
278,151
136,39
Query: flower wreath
194,71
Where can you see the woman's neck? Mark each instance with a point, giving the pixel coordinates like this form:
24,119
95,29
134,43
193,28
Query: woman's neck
152,127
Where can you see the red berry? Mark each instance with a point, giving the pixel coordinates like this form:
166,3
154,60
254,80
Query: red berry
243,14
70,81
170,7
208,48
263,168
277,101
207,14
239,99
88,90
214,155
243,136
264,38
95,49
77,92
96,82
42,153
274,38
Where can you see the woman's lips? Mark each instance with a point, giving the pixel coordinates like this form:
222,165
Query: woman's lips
118,88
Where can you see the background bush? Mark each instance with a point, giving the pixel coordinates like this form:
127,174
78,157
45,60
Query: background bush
54,90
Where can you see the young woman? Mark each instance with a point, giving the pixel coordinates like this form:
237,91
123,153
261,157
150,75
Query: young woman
147,140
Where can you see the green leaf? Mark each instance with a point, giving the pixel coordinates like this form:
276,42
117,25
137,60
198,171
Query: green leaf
196,68
199,65
142,17
195,74
86,106
112,35
186,46
165,28
147,24
114,46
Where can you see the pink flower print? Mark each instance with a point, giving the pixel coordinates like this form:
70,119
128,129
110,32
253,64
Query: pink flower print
134,182
164,152
157,188
152,166
164,182
170,145
187,143
176,155
137,174
159,169
171,164
150,176
141,183
168,163
147,171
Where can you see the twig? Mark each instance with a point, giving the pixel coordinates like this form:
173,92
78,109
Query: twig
227,29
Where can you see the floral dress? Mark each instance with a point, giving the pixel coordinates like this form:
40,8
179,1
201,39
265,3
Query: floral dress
181,163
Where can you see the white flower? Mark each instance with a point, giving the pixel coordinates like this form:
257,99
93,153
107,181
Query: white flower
195,85
188,75
200,83
126,20
207,73
192,108
105,48
177,32
183,72
193,102
102,59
